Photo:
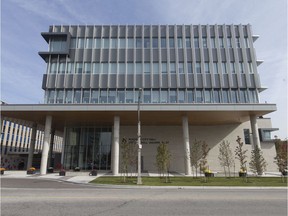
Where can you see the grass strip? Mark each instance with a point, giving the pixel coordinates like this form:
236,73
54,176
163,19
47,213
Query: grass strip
200,181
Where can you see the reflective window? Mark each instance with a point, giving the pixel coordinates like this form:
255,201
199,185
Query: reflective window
88,43
196,42
221,42
147,68
215,68
112,96
122,68
199,96
114,43
121,96
155,96
232,66
96,68
172,67
58,44
253,96
243,96
247,136
224,68
234,96
180,67
106,42
216,96
198,67
129,96
138,68
173,96
80,43
181,96
204,41
87,68
130,68
85,96
79,68
180,42
188,42
213,42
250,67
77,96
122,43
241,67
105,68
68,96
190,96
62,68
225,98
146,42
113,68
70,68
155,42
147,96
131,43
163,43
229,41
164,96
60,96
164,67
97,43
238,42
189,68
53,68
95,96
208,98
155,68
206,67
171,43
103,96
139,43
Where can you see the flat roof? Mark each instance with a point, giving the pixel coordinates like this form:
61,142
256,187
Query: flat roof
151,114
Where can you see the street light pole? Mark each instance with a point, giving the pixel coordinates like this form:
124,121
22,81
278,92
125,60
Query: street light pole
139,180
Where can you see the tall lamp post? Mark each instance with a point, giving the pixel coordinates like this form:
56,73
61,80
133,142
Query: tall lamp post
139,180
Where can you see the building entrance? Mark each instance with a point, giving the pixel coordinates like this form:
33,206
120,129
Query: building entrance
88,148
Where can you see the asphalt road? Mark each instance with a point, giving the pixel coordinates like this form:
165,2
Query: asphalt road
45,197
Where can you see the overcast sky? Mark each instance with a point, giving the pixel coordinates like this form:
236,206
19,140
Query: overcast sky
22,21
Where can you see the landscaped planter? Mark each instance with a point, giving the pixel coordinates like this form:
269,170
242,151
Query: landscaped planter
242,174
31,172
209,174
50,170
77,169
93,173
62,173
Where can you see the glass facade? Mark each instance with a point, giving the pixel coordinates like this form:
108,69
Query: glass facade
88,148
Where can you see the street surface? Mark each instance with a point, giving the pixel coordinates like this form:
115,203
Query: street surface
47,197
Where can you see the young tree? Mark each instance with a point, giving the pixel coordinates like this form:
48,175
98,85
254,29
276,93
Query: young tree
203,160
225,156
281,156
195,154
257,163
128,157
163,159
241,154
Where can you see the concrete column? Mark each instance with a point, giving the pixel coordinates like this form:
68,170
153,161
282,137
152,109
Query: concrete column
186,145
115,146
255,133
45,150
32,146
51,148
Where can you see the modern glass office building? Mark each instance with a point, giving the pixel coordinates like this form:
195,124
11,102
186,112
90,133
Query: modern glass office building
196,81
